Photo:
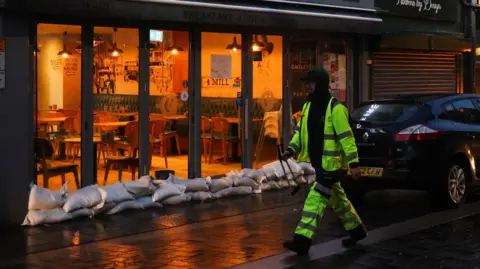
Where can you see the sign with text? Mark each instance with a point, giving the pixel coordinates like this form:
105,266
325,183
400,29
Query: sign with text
364,4
444,10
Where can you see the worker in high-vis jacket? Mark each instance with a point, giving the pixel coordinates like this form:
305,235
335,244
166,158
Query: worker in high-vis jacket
324,138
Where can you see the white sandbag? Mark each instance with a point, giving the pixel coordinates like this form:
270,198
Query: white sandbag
82,213
157,182
201,196
88,197
273,185
117,193
246,181
269,173
265,186
307,168
147,202
283,183
104,209
310,178
141,187
192,185
167,190
300,180
234,175
220,184
123,206
276,166
242,190
175,200
257,175
44,199
292,183
222,193
36,217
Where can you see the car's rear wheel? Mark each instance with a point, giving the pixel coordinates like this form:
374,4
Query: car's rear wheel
452,188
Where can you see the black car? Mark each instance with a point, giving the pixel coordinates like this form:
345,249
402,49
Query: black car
422,142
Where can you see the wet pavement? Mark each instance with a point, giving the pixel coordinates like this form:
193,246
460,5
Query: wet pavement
215,234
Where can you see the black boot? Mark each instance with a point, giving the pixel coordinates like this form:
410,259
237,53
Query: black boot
300,244
357,234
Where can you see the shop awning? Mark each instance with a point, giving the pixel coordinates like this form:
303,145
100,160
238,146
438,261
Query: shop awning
425,42
263,9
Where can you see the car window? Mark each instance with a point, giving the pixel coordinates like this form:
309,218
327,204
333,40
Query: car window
383,112
461,111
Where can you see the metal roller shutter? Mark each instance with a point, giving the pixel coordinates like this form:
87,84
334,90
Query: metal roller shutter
400,73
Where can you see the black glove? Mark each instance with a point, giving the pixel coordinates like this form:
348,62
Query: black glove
287,154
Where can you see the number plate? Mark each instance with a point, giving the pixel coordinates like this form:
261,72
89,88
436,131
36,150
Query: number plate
370,171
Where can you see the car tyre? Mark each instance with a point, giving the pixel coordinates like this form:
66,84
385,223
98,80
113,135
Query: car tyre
452,188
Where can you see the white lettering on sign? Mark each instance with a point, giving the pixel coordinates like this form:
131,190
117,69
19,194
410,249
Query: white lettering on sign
421,5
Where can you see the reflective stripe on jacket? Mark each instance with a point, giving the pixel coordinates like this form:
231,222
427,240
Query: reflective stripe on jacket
339,148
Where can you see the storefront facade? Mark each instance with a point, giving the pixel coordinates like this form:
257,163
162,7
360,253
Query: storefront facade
423,48
179,72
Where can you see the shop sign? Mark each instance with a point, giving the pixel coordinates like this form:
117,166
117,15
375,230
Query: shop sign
364,4
444,10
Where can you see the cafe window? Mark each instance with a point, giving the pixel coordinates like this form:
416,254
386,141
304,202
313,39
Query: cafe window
57,105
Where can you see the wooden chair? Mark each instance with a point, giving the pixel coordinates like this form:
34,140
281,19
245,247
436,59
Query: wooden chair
43,152
157,128
167,134
128,161
220,131
206,136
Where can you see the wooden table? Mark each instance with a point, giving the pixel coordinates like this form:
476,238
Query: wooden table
111,124
176,117
124,114
51,120
96,139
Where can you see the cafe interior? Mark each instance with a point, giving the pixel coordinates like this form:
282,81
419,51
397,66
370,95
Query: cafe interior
58,79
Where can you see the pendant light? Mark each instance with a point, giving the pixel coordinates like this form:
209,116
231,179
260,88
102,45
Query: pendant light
115,51
64,53
174,48
256,45
234,47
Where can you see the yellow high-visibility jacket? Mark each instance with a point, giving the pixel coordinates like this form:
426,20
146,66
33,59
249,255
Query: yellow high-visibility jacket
339,148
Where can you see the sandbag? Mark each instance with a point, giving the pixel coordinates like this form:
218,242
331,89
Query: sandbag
117,193
292,183
81,213
201,196
269,173
192,185
175,200
300,180
220,184
222,193
276,166
44,199
105,208
141,187
167,190
234,175
307,168
242,190
36,217
246,181
266,187
283,183
273,185
147,202
310,178
123,206
257,175
88,197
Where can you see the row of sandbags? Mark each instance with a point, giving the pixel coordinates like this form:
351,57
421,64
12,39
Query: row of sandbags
46,206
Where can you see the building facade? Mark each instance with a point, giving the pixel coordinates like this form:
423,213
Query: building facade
207,87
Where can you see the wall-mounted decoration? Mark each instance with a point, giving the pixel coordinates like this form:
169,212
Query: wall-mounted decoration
221,66
70,67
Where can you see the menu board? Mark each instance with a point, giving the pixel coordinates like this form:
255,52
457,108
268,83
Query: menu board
335,64
302,59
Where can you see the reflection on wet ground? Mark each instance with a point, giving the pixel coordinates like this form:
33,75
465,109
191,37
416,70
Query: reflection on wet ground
216,234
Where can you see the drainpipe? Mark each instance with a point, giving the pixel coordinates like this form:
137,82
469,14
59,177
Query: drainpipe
470,57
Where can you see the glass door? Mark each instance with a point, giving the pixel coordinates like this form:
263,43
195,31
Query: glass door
169,99
267,91
221,101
